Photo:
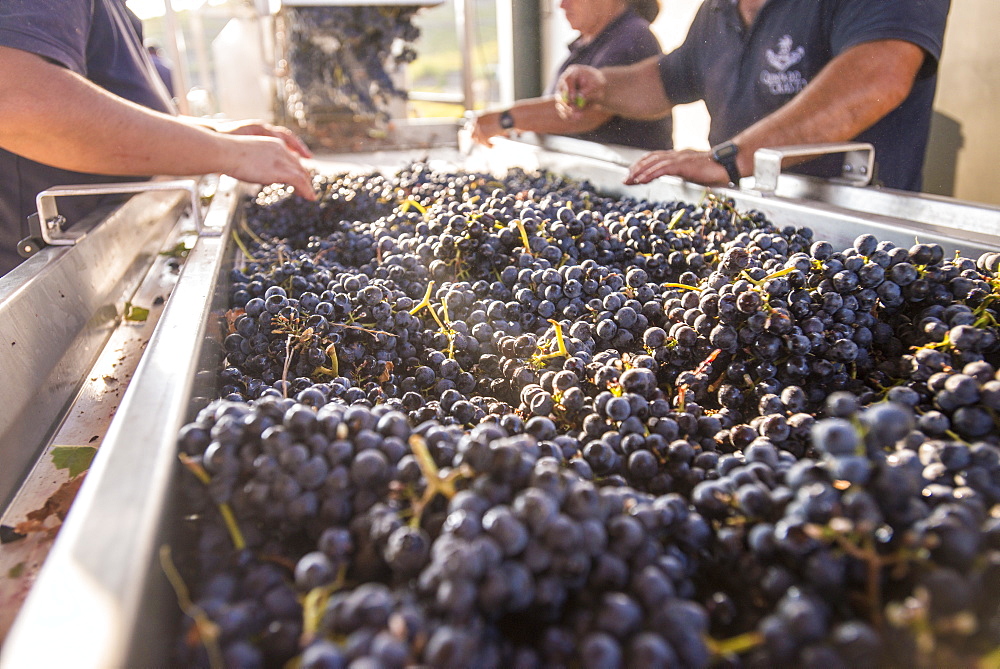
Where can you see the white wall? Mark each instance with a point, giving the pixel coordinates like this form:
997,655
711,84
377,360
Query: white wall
245,88
965,140
690,121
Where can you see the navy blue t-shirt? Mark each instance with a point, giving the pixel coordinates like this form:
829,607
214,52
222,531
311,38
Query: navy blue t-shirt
100,40
744,74
626,40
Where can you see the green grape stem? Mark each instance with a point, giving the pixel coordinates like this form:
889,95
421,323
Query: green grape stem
736,645
314,605
195,467
208,631
436,483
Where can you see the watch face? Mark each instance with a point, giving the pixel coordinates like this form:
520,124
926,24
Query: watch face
506,120
725,155
727,150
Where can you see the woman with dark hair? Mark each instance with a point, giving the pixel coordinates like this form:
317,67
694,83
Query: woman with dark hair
612,32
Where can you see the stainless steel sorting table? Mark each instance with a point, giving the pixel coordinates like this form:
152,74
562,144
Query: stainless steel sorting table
101,599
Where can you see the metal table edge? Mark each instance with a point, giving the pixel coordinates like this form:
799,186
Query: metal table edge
88,593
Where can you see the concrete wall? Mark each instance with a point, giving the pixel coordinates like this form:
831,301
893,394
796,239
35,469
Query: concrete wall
671,26
962,159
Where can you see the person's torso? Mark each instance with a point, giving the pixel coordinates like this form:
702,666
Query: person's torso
749,72
99,40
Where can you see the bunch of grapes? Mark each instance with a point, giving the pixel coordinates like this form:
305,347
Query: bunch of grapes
339,63
469,420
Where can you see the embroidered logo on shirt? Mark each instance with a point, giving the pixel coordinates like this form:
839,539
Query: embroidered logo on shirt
785,57
782,81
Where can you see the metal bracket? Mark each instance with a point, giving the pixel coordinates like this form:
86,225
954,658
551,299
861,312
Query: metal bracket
50,222
859,161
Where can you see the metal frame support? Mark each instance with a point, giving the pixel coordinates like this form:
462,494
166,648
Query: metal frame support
178,53
466,42
859,162
50,223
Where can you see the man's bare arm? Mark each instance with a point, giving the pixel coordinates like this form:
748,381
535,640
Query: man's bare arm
853,92
70,123
538,115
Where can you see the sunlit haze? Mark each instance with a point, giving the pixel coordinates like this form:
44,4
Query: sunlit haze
146,9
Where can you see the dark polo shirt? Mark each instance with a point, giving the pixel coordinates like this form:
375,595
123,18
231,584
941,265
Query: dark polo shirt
744,74
626,40
97,39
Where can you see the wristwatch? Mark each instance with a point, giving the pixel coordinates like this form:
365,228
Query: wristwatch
725,155
506,119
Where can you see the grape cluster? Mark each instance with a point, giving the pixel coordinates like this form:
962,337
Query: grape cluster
479,421
339,63
475,542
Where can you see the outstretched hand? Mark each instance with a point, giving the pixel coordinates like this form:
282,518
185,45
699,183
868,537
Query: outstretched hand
263,153
579,87
688,164
265,160
485,126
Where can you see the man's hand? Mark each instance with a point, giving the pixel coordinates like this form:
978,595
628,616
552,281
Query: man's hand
273,155
266,160
688,164
580,87
264,130
73,124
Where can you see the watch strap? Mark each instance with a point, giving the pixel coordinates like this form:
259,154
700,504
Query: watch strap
725,154
506,119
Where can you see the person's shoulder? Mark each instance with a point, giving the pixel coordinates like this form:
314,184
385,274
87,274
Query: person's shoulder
711,12
631,26
56,30
922,20
631,19
911,8
717,7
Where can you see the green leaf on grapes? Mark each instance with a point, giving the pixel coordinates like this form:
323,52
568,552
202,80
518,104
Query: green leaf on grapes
76,459
134,313
16,570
